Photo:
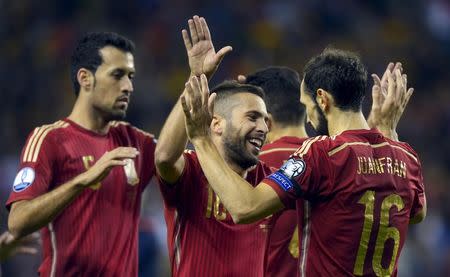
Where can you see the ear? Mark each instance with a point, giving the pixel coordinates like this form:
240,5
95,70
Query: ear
85,79
217,124
270,122
323,99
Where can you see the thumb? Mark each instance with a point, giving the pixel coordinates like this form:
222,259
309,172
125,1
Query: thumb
376,97
211,101
222,52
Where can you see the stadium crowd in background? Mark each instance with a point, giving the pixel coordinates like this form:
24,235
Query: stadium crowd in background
34,69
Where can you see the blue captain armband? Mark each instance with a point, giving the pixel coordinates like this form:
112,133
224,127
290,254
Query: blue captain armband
285,176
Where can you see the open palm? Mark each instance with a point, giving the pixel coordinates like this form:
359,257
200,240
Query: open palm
202,56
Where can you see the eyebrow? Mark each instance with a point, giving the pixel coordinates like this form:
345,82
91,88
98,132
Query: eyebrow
259,114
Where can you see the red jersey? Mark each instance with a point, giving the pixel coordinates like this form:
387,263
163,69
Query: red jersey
201,235
97,234
360,191
282,247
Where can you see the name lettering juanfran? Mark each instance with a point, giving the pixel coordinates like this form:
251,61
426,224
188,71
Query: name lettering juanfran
370,165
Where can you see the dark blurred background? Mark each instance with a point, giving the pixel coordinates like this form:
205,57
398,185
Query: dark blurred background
37,37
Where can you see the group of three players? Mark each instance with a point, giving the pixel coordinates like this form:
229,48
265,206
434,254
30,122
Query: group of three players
341,204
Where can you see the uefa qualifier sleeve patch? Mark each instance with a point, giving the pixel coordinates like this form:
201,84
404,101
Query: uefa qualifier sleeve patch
285,176
24,179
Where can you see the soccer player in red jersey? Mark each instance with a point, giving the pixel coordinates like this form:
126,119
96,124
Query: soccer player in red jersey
361,189
203,240
81,178
281,86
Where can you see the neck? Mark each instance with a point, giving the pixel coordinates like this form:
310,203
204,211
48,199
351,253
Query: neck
277,132
340,121
85,115
236,168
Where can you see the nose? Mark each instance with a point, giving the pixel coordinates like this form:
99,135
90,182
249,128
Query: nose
261,126
127,85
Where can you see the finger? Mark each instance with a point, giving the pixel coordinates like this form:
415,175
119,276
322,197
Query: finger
205,89
376,97
409,93
198,26
185,106
377,82
222,52
189,94
26,250
211,101
400,89
197,93
186,39
193,31
388,70
242,79
205,28
398,66
390,97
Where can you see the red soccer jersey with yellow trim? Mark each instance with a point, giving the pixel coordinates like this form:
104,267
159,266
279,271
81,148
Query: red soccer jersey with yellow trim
282,247
201,235
97,234
360,191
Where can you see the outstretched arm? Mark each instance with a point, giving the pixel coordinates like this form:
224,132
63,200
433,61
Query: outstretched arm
203,59
389,102
28,216
244,202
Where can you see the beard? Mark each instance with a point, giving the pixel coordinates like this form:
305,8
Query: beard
322,127
236,150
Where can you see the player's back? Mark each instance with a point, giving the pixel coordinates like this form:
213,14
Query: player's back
282,246
356,220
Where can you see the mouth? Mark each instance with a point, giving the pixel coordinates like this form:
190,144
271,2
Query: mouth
123,102
256,143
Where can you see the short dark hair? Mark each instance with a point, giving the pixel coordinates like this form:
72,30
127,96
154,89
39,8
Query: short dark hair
281,86
231,87
87,52
339,72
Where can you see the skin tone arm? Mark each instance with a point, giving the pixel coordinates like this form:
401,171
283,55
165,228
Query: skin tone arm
244,202
388,105
27,216
203,59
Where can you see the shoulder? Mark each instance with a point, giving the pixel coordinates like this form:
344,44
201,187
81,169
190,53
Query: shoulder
126,127
405,148
314,144
41,136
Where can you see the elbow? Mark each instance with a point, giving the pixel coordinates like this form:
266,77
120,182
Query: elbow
163,158
17,222
243,216
419,217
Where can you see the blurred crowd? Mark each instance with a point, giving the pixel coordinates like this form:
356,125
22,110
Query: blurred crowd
36,40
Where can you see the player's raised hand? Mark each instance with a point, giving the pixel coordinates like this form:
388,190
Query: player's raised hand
390,97
202,56
103,166
10,246
198,107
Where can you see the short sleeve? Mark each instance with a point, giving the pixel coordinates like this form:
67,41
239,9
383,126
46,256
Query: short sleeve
146,147
35,169
175,194
419,201
306,174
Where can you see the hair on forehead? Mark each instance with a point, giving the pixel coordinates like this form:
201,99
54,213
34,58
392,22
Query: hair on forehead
225,90
281,86
339,72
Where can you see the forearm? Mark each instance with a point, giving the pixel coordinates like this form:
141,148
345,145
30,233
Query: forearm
173,139
235,193
28,216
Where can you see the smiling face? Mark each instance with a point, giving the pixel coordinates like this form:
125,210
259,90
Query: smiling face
245,129
113,83
314,115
